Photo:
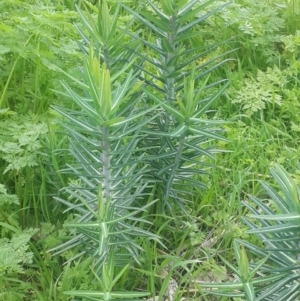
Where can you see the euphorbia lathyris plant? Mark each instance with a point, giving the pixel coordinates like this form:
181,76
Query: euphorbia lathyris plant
136,133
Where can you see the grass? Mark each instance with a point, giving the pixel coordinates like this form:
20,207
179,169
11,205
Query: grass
34,154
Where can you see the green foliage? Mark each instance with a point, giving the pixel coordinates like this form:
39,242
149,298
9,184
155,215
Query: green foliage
104,135
15,254
257,26
107,283
276,224
261,93
178,138
157,57
122,164
8,202
31,61
6,198
20,141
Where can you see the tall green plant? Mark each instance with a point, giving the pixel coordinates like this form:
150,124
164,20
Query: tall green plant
104,136
180,137
104,131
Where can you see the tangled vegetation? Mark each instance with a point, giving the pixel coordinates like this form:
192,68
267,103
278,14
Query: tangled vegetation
149,150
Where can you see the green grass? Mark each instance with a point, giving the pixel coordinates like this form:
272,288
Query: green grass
260,108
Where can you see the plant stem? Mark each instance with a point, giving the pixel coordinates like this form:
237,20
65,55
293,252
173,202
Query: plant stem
175,166
106,163
170,80
11,74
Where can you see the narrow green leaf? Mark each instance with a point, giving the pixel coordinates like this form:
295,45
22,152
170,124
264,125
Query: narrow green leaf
115,294
203,109
88,24
288,187
231,267
259,264
162,25
211,134
128,119
249,291
78,122
290,217
114,21
159,32
104,22
119,275
168,7
268,279
158,11
244,265
285,228
166,46
280,202
185,28
171,110
189,7
147,43
183,110
82,102
112,122
223,285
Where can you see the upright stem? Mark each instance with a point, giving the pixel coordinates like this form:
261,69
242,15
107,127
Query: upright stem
106,186
170,97
175,166
106,163
106,57
10,76
170,80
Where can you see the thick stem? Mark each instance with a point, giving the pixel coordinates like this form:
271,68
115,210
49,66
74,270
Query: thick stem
170,80
106,186
175,166
106,57
106,163
170,97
